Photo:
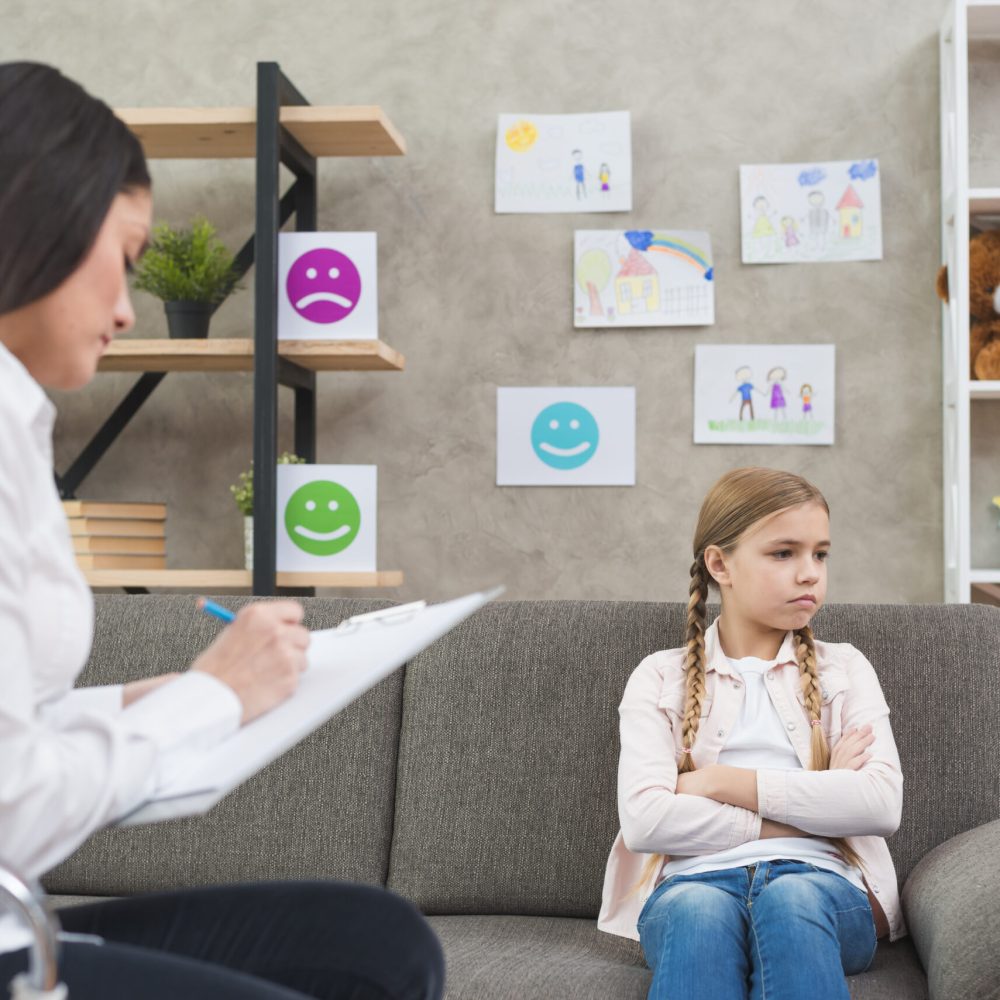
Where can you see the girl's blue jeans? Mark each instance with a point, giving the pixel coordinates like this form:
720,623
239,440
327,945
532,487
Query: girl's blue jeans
777,930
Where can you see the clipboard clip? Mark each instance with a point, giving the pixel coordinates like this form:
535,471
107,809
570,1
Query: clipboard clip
387,616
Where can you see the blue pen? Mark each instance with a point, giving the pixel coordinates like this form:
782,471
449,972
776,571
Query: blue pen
210,607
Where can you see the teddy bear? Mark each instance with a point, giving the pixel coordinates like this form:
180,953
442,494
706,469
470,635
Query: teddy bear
984,304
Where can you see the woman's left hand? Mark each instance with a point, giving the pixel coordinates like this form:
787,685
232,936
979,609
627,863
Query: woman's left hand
135,690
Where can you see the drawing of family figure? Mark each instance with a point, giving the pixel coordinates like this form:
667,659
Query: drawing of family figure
778,404
817,223
580,176
766,226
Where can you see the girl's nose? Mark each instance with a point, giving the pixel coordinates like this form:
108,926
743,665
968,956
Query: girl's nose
808,570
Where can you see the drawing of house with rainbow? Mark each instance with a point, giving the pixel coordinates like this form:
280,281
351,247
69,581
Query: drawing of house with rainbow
637,286
850,206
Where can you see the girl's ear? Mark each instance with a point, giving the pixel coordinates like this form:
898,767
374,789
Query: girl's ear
715,563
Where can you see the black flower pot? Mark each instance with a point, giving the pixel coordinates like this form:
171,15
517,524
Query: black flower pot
188,320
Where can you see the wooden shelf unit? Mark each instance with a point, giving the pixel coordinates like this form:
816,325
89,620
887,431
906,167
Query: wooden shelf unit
963,207
295,134
208,580
231,133
236,355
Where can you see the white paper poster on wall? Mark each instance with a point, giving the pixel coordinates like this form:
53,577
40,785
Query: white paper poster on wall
796,213
556,436
564,163
327,518
764,394
327,286
643,277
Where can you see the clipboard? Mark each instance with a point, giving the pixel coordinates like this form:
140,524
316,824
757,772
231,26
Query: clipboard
343,663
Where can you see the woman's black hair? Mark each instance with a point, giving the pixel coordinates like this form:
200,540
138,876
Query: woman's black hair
64,156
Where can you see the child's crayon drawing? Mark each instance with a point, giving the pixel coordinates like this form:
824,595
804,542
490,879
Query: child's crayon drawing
564,163
642,277
795,213
764,394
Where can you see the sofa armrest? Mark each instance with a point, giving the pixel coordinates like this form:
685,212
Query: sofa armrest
952,906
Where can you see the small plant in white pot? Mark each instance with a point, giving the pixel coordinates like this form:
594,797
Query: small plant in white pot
242,492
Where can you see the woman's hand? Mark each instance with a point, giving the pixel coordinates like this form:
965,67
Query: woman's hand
135,690
849,753
260,655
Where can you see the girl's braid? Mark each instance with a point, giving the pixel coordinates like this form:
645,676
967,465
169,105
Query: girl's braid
695,691
695,680
805,654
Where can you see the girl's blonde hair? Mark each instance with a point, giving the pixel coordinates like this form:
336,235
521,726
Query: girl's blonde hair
738,501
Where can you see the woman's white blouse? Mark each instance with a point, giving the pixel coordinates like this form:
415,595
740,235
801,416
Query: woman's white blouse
71,761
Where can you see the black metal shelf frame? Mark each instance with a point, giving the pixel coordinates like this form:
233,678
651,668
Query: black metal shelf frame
275,146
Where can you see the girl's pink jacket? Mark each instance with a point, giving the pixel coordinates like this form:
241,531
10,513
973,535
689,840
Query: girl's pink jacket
862,805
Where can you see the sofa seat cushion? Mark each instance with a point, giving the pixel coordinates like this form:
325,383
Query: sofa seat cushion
563,958
538,958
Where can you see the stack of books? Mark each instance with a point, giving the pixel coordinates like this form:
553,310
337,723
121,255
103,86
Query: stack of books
108,535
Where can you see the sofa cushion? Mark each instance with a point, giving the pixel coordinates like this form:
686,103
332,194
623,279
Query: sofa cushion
538,958
506,789
938,665
322,809
556,958
509,749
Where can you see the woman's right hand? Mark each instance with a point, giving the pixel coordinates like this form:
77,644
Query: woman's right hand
849,753
260,655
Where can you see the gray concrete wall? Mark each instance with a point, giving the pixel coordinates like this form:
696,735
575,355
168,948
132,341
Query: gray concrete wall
477,301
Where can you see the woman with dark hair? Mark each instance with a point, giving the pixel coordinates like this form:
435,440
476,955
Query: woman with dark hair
75,215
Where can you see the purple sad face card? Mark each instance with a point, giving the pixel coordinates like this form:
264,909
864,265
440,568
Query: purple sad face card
327,286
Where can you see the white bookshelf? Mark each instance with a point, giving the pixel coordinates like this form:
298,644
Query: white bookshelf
966,21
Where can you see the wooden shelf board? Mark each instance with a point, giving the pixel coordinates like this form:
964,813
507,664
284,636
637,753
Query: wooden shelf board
236,355
229,133
204,580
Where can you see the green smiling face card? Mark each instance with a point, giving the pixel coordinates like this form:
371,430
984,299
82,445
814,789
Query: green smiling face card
326,518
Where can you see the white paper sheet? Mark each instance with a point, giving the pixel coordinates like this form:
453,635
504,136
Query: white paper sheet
564,163
566,436
800,213
764,394
643,277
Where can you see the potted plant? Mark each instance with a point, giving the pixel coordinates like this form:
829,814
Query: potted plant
242,492
191,271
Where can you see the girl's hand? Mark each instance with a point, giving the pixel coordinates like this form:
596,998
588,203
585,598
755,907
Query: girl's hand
260,655
135,690
692,783
770,828
849,753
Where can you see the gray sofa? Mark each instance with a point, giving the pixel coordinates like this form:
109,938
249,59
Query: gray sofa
480,783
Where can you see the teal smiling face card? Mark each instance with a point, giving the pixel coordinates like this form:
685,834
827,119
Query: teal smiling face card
326,518
566,436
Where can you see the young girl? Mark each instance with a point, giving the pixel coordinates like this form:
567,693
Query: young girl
751,860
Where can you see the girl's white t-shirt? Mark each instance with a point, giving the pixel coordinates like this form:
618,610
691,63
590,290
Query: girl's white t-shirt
759,740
